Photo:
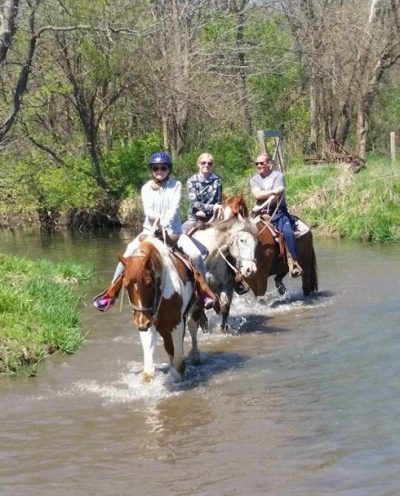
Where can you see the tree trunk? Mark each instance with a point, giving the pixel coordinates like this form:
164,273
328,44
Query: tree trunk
314,112
244,97
8,26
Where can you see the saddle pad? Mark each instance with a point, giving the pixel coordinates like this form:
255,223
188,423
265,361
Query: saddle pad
300,228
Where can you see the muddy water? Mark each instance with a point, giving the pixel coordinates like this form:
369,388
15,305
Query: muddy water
303,400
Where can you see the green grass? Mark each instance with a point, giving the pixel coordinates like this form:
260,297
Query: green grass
38,311
363,206
338,203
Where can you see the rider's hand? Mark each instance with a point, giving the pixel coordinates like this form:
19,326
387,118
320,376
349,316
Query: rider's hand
164,224
200,214
255,209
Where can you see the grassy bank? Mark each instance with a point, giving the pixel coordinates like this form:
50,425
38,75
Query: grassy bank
38,311
338,203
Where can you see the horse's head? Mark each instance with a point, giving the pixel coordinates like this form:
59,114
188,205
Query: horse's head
143,283
239,240
235,206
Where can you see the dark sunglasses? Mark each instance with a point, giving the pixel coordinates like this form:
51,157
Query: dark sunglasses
206,163
261,163
157,168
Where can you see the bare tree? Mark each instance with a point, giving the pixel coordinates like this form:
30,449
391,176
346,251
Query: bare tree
347,49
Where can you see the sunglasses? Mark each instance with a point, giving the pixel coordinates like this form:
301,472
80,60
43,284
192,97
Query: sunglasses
206,163
157,168
261,163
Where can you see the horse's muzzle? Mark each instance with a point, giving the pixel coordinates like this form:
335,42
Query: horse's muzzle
248,268
142,322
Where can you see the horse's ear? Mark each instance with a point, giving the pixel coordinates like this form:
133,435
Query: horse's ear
224,197
122,259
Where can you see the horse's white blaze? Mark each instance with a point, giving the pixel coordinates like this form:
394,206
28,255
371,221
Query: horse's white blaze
243,249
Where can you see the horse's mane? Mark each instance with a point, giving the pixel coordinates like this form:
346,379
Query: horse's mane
237,204
234,224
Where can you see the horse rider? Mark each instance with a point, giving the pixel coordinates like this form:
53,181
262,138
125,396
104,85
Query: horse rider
268,188
204,191
161,199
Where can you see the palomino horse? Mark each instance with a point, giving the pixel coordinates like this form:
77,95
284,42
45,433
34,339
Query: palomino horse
162,292
269,260
231,246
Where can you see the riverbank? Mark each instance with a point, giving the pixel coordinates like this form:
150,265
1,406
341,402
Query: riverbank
335,201
39,312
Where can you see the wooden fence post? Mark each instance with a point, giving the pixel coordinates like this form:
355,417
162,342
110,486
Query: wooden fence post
261,142
277,154
393,146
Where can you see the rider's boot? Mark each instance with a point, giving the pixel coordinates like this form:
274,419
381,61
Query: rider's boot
106,299
206,296
294,267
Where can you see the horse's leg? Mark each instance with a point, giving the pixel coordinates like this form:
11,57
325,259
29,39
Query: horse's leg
280,287
148,340
309,264
178,360
193,327
225,309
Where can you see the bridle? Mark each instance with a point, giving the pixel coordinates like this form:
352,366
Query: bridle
239,259
156,300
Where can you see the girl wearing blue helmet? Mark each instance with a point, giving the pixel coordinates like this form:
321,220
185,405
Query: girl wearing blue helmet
161,199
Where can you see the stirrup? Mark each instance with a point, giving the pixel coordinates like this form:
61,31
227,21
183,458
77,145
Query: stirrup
296,270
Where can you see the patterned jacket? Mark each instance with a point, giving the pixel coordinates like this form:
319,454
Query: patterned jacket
203,194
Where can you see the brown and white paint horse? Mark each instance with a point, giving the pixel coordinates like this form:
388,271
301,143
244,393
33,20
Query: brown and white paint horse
268,257
231,246
162,295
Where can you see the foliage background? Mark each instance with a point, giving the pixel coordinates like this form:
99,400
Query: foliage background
111,82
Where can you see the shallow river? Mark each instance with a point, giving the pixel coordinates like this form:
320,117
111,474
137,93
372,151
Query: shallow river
303,400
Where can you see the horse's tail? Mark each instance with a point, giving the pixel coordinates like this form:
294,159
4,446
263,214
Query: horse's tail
314,274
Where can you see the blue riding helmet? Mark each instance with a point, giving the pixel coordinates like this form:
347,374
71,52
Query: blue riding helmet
160,158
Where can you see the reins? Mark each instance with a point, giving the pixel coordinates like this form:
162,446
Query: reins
154,308
240,259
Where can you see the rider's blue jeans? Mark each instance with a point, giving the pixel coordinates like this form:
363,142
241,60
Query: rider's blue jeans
281,221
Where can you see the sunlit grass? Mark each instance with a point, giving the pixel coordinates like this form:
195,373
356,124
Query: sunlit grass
339,203
38,311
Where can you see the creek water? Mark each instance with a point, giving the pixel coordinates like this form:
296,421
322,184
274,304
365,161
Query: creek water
303,399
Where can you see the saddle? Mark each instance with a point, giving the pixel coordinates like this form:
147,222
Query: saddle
277,236
177,254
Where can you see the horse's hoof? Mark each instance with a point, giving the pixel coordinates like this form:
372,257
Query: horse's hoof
148,377
195,358
281,288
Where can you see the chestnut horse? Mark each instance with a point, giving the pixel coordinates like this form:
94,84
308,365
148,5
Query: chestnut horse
269,259
162,294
